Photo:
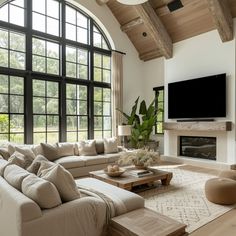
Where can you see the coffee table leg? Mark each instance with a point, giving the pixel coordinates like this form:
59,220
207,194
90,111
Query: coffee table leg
167,180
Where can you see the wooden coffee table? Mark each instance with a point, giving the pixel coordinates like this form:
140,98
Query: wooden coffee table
128,181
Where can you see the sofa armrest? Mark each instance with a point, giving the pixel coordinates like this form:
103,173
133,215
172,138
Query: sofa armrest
83,216
15,208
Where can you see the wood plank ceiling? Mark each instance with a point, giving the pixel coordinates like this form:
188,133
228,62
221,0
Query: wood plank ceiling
153,29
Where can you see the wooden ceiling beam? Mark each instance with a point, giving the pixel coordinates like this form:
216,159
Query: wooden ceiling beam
131,24
222,18
156,29
102,2
150,55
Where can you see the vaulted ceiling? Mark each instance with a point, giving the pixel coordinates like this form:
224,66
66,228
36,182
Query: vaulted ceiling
153,28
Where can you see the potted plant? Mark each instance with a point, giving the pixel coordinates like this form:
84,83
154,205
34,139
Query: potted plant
142,124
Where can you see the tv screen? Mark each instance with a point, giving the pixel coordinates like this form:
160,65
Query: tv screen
198,98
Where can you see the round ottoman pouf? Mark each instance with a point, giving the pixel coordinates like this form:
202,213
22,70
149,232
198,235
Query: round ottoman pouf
230,174
221,191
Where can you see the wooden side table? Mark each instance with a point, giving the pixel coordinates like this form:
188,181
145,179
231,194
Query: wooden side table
145,222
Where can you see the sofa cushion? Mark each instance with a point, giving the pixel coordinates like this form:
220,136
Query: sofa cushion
66,149
20,159
94,160
45,165
70,162
63,180
14,175
43,192
51,152
86,148
4,153
35,165
112,157
26,151
3,164
37,150
124,200
110,145
99,144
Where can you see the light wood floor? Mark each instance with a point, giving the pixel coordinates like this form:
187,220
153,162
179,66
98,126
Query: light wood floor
222,226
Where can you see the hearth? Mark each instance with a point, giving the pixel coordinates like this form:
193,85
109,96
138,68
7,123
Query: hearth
198,147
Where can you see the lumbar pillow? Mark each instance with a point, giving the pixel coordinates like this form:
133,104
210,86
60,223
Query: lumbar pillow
110,145
65,149
4,153
14,175
3,165
43,192
87,148
35,165
51,152
20,160
63,180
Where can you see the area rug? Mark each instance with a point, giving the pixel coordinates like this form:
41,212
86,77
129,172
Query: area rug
184,199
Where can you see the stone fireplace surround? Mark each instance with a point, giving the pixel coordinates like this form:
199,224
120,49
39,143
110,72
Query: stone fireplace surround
218,130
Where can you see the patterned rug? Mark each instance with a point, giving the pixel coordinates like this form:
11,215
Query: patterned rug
184,199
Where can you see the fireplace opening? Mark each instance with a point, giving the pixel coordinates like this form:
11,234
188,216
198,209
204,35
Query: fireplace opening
198,147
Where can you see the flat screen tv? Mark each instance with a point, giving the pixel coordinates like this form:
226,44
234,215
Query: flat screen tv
197,98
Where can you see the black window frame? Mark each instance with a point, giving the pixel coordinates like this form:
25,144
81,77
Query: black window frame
157,90
62,79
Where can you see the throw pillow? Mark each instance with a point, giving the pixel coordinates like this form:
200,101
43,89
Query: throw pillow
44,165
43,192
14,175
20,160
51,152
11,149
110,145
87,148
25,151
35,165
65,149
4,153
99,146
37,150
3,164
63,180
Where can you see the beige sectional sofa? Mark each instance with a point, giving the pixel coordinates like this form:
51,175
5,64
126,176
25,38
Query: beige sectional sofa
78,165
21,211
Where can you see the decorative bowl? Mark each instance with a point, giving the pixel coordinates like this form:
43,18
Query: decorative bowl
115,173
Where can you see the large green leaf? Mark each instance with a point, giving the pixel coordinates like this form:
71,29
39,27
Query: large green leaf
143,108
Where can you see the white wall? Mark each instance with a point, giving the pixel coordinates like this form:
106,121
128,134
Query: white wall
153,76
197,57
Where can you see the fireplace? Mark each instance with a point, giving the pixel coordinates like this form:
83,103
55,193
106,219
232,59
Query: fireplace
198,147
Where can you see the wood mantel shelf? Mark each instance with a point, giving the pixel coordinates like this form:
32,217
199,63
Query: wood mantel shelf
199,126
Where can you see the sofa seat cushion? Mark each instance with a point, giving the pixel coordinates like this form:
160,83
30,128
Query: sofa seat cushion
94,160
120,197
112,157
70,162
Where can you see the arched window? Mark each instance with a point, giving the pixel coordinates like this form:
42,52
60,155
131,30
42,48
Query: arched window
55,73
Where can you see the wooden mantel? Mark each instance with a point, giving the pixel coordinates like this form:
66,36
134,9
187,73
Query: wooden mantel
199,126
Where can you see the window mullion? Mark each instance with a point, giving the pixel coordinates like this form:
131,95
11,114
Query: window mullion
28,79
62,87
